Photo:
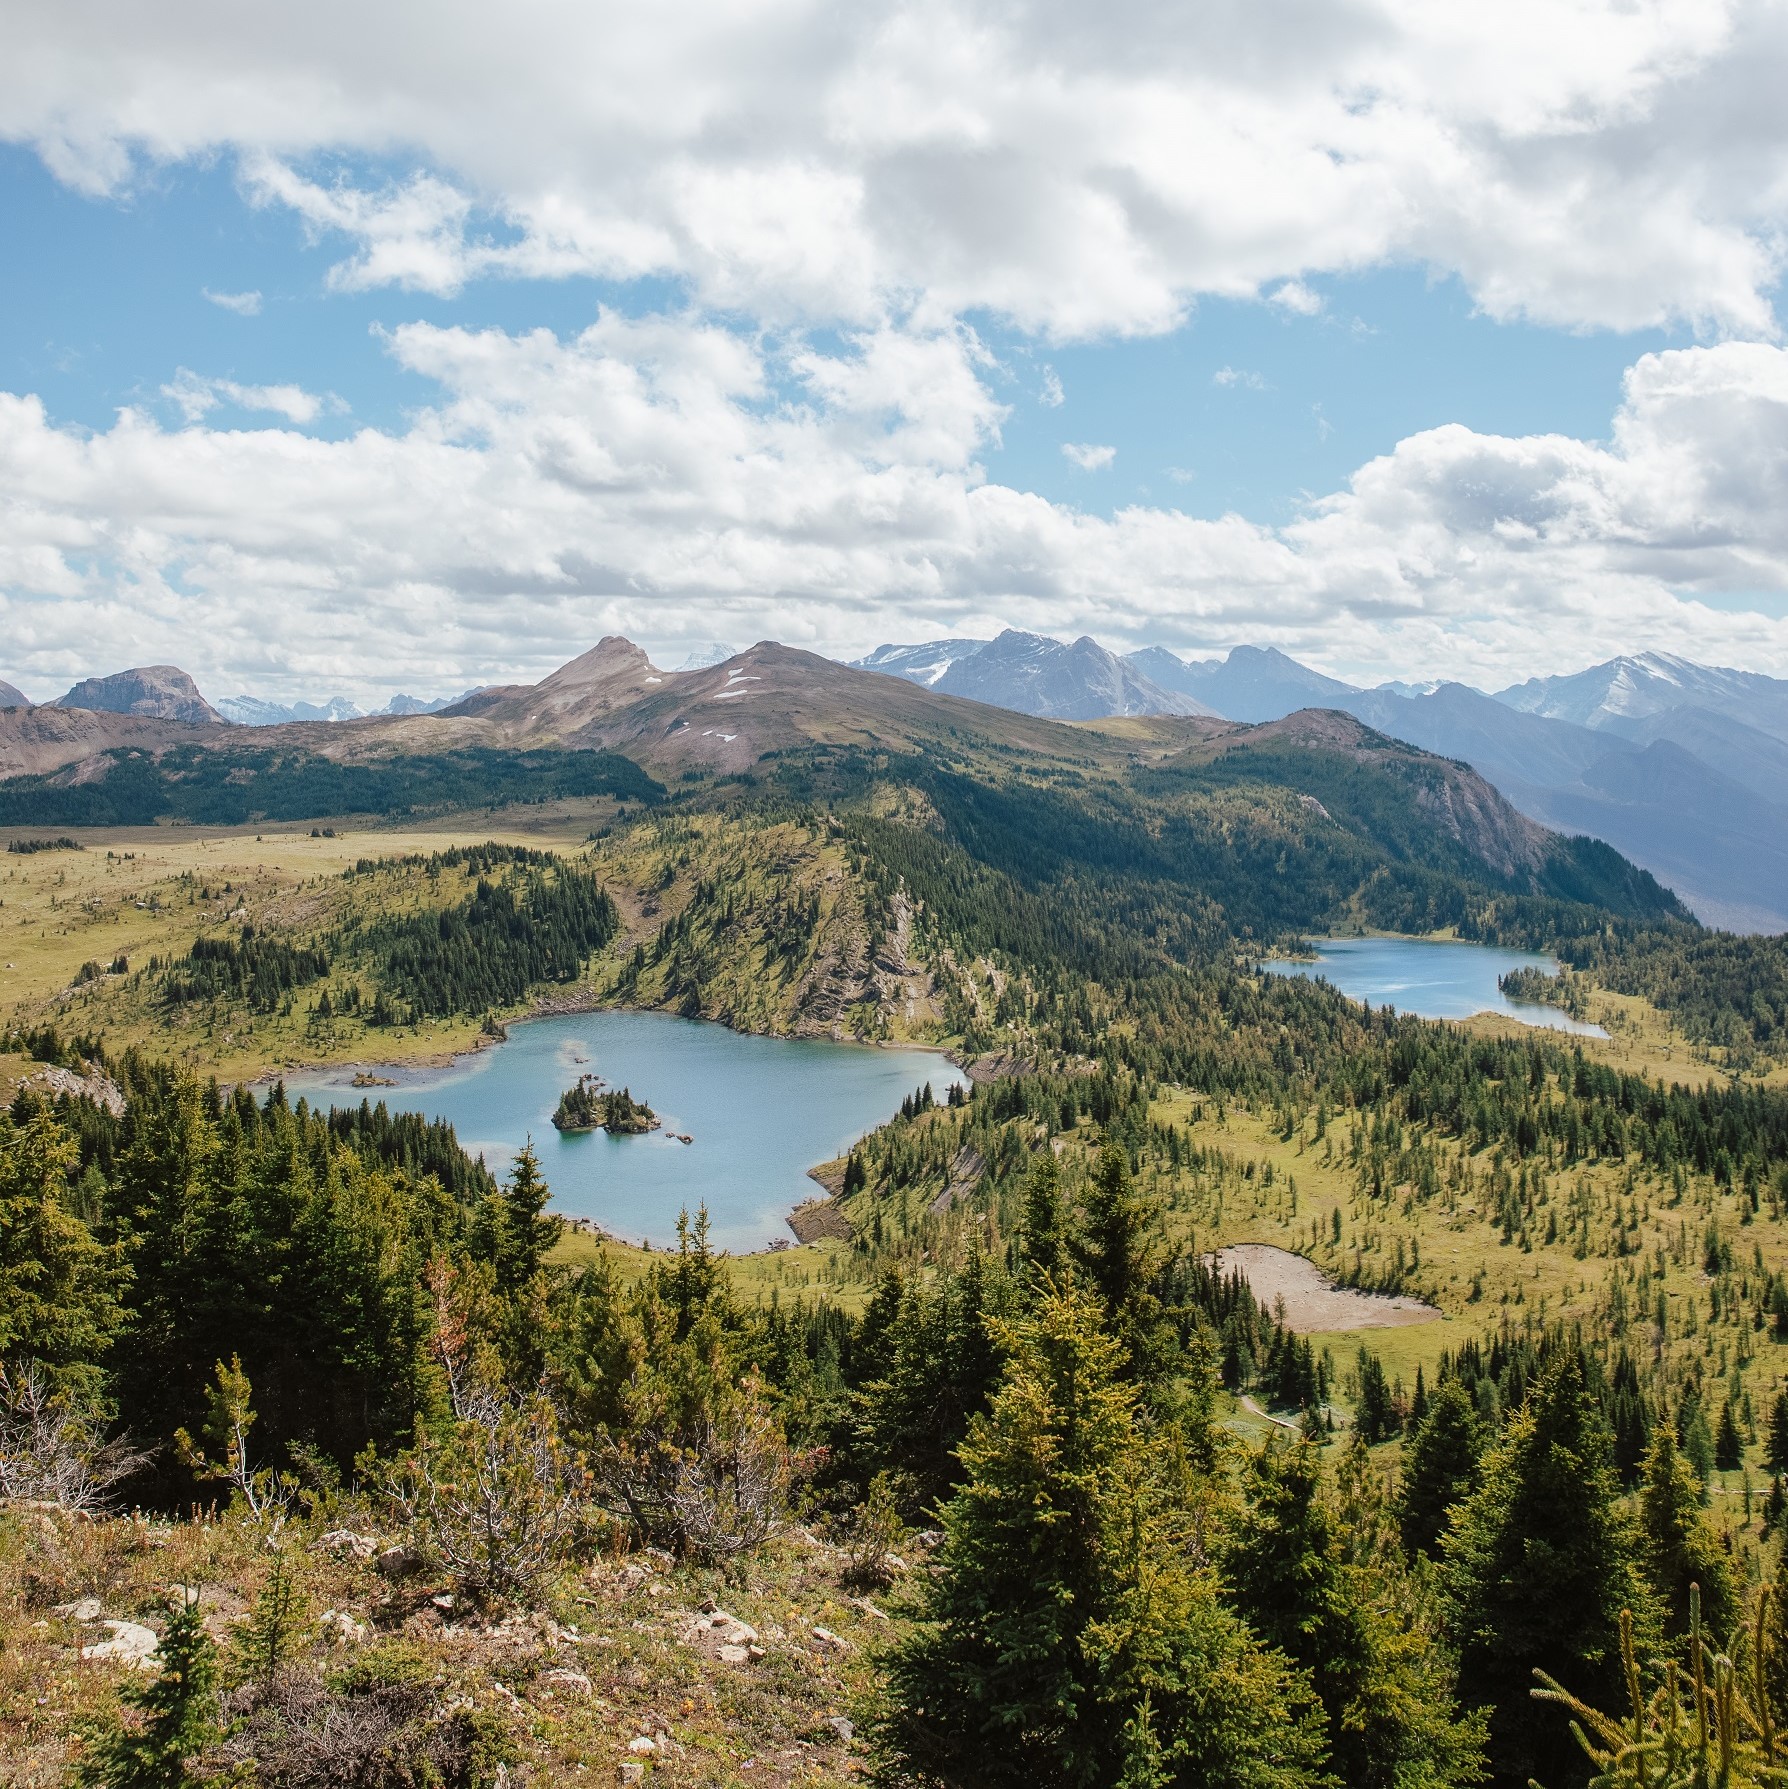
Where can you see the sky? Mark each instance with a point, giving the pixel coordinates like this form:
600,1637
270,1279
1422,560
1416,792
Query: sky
349,350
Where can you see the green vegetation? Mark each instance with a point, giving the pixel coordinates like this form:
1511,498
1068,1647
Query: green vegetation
234,786
1127,1520
585,1107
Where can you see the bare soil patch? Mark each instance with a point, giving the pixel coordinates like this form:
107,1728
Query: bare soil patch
1312,1302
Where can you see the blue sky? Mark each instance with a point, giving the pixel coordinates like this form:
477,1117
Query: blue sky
1414,345
1246,406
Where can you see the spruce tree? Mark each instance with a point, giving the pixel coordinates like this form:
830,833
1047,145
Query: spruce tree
1440,1466
1066,1638
1385,1687
1776,1454
1538,1565
177,1713
1679,1550
991,1687
1044,1237
1729,1448
1118,1249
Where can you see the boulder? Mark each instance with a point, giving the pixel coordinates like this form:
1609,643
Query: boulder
131,1644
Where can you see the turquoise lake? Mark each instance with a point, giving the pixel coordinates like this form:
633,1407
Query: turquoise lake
1435,979
761,1110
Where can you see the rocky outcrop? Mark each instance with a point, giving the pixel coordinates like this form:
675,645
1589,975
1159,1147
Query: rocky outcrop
158,692
12,698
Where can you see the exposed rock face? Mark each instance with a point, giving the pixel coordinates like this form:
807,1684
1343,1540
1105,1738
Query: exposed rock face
12,698
160,692
1040,676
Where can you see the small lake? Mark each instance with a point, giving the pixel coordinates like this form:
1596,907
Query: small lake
761,1111
1434,978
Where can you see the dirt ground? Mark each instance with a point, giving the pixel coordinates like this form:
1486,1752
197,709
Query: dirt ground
1311,1302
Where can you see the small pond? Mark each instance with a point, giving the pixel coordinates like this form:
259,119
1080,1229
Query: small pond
761,1111
1313,1304
1435,978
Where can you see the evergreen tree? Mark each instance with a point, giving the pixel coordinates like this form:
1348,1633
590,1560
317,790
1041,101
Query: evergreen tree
1065,1639
1538,1565
1678,1548
1387,1694
1440,1466
524,1234
1118,1249
177,1713
1044,1237
273,1630
59,1288
1776,1448
1729,1448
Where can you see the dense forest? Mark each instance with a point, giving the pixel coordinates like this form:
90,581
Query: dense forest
239,785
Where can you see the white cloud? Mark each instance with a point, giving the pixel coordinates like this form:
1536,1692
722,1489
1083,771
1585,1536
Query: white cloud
244,304
1296,297
1088,457
1051,397
1228,375
198,397
1618,163
644,478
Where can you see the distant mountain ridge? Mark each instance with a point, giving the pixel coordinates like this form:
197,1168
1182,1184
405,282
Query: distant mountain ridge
1034,674
12,698
1681,767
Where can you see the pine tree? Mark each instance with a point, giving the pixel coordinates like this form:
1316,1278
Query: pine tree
1678,1549
1538,1565
1440,1466
177,1709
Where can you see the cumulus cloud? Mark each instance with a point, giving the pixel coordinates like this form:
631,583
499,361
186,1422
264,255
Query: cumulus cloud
244,304
672,480
1087,457
1051,397
1598,163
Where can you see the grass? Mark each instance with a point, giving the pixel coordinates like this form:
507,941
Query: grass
625,1634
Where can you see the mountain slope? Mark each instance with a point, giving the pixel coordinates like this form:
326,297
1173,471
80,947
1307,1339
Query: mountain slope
1649,683
1254,683
919,664
157,692
1080,682
12,698
1717,839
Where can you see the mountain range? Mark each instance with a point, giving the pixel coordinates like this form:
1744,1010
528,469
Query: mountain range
1682,768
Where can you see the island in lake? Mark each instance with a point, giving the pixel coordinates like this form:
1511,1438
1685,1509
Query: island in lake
588,1106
